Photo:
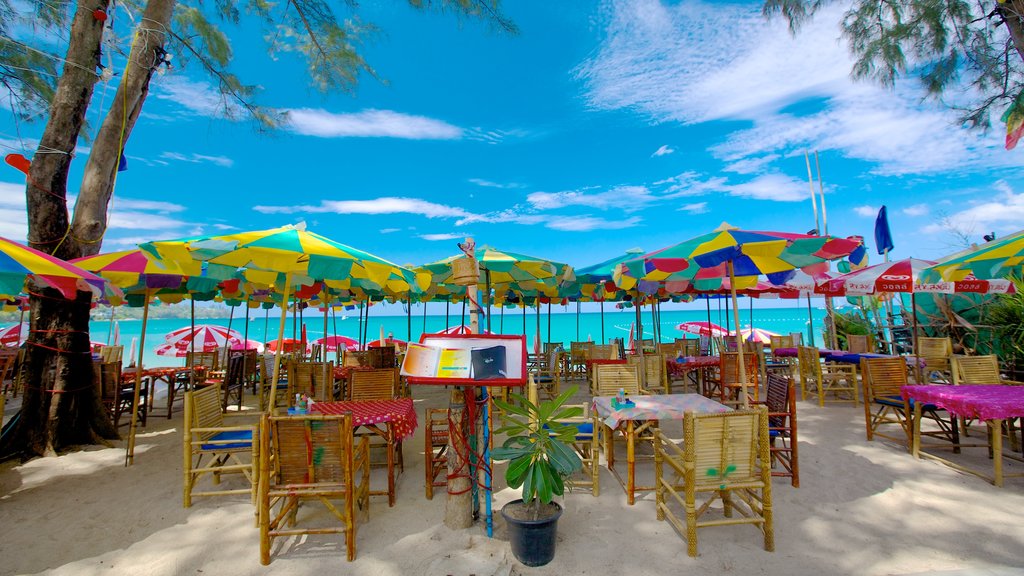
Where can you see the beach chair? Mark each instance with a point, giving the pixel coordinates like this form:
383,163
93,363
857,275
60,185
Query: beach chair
7,377
610,378
311,458
690,347
355,358
882,379
603,352
234,381
974,370
860,343
111,353
213,447
780,400
725,457
586,443
314,379
546,373
729,378
936,354
435,450
375,384
118,398
382,357
282,392
828,379
655,373
579,353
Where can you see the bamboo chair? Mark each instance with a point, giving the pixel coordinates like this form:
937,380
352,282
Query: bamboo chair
579,353
860,343
435,449
234,380
974,370
797,337
780,400
376,384
111,353
7,373
725,456
314,379
936,353
669,349
655,374
283,394
704,345
115,397
382,357
825,379
729,378
781,342
311,458
213,447
882,379
355,358
610,378
587,444
546,373
718,343
603,352
690,347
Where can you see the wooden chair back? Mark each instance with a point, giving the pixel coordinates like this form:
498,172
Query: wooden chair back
314,379
859,343
781,341
655,373
718,343
780,399
316,352
798,338
381,357
609,378
206,359
111,353
211,448
108,380
314,458
549,346
234,379
691,347
355,358
376,384
729,375
669,349
579,352
882,377
603,352
976,370
934,347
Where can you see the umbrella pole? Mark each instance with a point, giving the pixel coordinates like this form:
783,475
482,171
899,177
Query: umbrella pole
424,318
549,324
523,304
408,320
487,295
638,334
447,309
578,321
110,325
913,315
280,343
537,339
366,322
266,324
739,345
192,344
810,320
462,318
501,323
602,323
323,346
129,455
654,323
227,338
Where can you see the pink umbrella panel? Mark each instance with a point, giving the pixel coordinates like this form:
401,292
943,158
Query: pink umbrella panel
331,343
461,329
205,338
702,328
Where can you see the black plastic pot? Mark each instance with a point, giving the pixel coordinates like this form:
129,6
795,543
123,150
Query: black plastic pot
533,541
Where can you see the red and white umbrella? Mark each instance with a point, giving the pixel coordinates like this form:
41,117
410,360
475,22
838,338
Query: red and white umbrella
331,343
207,337
462,329
172,351
287,345
904,276
388,342
14,335
248,345
702,328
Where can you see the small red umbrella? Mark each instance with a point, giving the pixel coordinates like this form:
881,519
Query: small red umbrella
702,328
387,343
331,343
287,345
461,329
14,335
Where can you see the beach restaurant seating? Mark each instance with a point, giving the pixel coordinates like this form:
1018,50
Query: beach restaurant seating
974,370
234,380
610,378
724,456
373,384
833,380
111,353
435,450
654,373
579,353
546,373
311,458
860,343
283,394
587,445
118,398
780,400
730,387
936,354
314,379
214,447
882,379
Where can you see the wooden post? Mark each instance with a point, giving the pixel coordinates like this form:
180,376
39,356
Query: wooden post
739,341
129,456
458,511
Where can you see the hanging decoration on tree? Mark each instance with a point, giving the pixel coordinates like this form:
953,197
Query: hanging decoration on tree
19,162
1014,119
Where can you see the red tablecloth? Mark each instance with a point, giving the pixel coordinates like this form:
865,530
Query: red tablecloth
342,372
679,369
400,413
981,402
590,363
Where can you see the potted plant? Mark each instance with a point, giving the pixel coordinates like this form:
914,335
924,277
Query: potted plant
540,459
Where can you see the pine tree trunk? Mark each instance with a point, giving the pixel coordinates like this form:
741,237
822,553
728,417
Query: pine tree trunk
1012,13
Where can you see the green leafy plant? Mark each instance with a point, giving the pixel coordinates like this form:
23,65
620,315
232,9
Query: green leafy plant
537,447
1007,318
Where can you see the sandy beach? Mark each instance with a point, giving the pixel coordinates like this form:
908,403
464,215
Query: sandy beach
862,508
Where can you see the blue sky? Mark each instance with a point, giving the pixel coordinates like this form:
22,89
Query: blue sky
599,128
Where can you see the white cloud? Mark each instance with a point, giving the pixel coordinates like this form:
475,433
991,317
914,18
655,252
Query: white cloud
489,184
628,198
369,123
777,187
866,211
750,165
439,237
587,223
225,227
663,151
199,158
384,205
1003,213
155,205
695,62
13,216
198,97
136,220
695,208
389,230
917,210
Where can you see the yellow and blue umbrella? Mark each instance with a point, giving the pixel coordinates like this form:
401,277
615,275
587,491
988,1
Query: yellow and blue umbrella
996,259
19,262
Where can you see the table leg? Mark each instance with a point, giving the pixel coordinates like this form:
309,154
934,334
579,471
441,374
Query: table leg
915,427
995,428
630,463
609,446
390,438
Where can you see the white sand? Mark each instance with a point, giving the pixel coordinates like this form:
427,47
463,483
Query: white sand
863,508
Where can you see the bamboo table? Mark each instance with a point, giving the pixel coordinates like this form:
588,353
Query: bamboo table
642,417
990,403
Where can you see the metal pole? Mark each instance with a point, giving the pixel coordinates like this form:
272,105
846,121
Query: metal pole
810,319
739,346
129,456
487,288
602,323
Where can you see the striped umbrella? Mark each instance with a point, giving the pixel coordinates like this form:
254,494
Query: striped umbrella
131,269
14,335
702,328
19,262
205,337
331,343
460,329
905,276
757,335
996,259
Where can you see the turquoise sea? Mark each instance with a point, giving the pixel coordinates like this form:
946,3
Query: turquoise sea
564,326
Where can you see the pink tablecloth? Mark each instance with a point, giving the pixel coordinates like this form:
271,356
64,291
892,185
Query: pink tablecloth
981,402
678,369
400,413
656,407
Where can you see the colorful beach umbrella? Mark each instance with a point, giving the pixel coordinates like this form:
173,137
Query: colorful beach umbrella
14,335
460,329
504,272
286,345
905,276
19,262
203,337
331,343
131,268
702,328
992,260
757,335
388,342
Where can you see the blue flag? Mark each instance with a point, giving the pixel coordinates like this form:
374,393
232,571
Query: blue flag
883,238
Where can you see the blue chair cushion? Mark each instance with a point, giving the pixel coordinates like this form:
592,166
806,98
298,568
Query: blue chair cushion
243,437
897,402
